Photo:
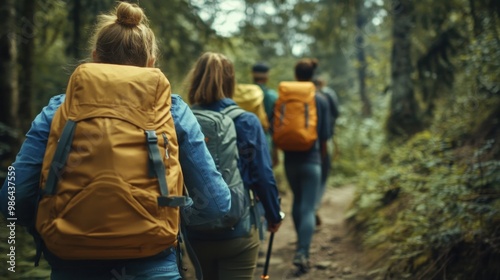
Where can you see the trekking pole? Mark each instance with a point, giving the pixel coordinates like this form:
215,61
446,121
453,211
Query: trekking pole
264,275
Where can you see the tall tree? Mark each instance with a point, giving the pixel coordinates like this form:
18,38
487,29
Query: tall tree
77,37
8,78
336,43
366,110
183,35
81,15
404,119
26,55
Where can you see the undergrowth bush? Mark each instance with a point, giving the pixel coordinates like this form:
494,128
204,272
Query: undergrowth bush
429,207
432,205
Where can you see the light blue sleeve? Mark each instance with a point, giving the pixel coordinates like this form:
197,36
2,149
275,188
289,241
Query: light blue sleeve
22,184
207,188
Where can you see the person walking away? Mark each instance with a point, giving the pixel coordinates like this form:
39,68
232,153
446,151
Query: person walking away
232,253
260,75
300,130
107,160
333,108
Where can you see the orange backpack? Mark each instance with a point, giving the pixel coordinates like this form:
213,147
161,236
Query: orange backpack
295,117
111,178
250,98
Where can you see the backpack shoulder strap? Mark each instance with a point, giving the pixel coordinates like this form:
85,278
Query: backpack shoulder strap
233,111
60,157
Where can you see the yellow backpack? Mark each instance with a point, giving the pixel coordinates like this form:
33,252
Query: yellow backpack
295,116
250,97
111,179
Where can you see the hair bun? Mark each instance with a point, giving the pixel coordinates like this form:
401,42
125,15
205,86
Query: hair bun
129,14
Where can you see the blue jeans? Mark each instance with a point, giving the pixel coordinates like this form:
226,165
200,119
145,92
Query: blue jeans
325,170
305,181
164,267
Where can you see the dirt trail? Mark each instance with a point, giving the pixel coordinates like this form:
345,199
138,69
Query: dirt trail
333,254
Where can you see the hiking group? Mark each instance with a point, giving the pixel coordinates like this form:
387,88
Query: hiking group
118,172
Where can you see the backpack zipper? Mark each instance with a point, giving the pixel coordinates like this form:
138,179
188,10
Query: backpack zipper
165,144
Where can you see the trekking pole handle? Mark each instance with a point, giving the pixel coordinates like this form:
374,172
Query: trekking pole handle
282,215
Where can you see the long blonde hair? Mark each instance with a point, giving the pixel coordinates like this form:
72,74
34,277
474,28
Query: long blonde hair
124,37
211,79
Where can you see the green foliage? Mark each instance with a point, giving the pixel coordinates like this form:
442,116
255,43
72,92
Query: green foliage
429,208
7,134
434,200
428,205
25,251
359,140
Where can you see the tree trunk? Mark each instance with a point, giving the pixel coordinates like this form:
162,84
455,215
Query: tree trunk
366,110
75,46
26,54
404,119
8,79
475,18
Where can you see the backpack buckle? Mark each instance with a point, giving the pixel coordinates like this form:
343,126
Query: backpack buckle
151,136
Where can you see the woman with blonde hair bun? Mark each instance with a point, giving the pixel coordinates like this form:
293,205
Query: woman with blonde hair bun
99,179
124,37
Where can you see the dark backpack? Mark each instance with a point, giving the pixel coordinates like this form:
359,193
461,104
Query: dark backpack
333,101
333,107
220,138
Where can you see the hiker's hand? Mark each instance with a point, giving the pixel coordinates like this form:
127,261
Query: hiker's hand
273,227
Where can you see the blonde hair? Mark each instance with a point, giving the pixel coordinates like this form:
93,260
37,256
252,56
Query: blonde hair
124,37
210,79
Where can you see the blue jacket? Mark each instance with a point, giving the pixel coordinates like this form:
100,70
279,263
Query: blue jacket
211,197
254,164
